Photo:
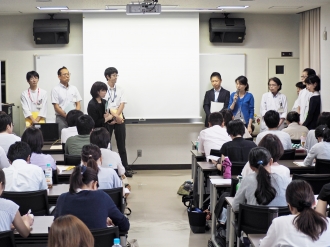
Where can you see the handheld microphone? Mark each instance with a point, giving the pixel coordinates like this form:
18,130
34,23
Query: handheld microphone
237,92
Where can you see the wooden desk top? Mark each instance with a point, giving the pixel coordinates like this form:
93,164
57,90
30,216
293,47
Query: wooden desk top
64,173
58,157
289,164
40,225
58,189
255,239
230,200
195,153
206,166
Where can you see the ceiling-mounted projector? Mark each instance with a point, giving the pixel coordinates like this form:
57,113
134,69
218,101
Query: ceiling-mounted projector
147,7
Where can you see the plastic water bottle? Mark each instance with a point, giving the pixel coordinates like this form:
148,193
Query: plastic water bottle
49,176
116,243
239,182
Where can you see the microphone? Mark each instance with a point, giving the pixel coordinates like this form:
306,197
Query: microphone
237,92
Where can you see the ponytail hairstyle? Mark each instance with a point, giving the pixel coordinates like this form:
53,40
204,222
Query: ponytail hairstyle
80,176
265,192
299,194
90,154
319,131
326,135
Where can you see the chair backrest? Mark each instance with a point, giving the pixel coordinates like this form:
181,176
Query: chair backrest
237,167
295,141
249,139
234,182
72,160
104,237
289,154
215,152
116,195
37,201
282,211
315,180
7,239
322,166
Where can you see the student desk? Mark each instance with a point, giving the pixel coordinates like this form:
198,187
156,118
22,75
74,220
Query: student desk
56,191
295,169
195,156
64,176
59,158
46,149
255,239
230,233
301,153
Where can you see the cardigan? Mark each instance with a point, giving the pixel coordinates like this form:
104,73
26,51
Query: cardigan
246,104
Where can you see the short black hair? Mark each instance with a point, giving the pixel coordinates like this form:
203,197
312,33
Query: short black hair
326,135
243,81
293,116
60,69
33,137
216,74
109,71
18,150
300,85
5,120
324,118
309,71
235,127
277,81
97,87
72,116
100,137
227,115
85,124
319,131
274,145
31,74
215,118
272,119
314,79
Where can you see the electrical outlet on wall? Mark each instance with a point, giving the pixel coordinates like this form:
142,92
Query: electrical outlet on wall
139,153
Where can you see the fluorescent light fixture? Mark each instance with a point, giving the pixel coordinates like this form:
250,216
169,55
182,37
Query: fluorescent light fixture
232,7
285,7
53,8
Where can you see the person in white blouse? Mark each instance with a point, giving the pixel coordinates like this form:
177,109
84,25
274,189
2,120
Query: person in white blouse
299,86
273,100
34,101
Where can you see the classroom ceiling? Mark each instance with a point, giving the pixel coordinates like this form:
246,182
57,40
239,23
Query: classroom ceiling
10,7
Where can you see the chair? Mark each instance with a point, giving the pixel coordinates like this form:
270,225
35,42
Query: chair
72,160
289,154
237,167
234,182
249,139
37,201
7,239
315,180
215,152
295,141
322,166
104,237
116,195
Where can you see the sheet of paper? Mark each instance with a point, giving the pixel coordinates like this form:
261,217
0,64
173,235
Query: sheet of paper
301,163
70,106
62,168
212,157
220,181
216,106
56,147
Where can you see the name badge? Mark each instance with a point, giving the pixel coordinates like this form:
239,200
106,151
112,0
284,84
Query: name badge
113,104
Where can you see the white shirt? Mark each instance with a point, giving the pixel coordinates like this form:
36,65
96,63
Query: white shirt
320,150
284,137
310,140
303,102
3,159
281,170
6,140
21,176
112,159
270,102
36,102
114,97
65,97
8,210
212,138
68,132
108,178
282,232
296,130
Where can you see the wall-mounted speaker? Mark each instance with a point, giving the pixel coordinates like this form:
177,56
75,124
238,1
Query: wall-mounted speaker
51,31
227,30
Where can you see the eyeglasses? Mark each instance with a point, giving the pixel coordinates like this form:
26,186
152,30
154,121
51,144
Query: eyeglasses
67,74
115,75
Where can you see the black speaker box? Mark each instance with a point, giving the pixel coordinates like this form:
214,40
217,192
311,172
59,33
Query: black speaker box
227,30
51,31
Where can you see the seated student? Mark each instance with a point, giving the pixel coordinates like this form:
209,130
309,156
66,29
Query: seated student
9,213
6,132
272,119
21,175
320,150
227,115
101,138
33,137
68,230
74,144
319,133
71,119
273,144
323,200
324,119
91,157
3,159
261,187
294,129
214,136
304,227
90,205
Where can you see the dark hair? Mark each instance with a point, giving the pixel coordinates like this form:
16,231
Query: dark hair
72,117
272,119
97,87
235,128
31,74
326,135
300,85
215,74
243,81
324,118
90,154
309,71
277,81
81,175
60,69
100,137
293,116
299,194
85,124
18,150
314,79
215,118
5,120
2,178
227,115
33,137
265,192
274,145
109,71
319,131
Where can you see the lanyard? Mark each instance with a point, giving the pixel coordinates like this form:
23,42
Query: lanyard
114,95
31,97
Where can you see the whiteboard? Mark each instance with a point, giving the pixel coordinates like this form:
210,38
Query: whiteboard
47,67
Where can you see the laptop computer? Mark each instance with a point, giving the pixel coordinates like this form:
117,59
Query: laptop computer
49,132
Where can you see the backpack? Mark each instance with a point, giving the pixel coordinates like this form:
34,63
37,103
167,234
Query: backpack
226,168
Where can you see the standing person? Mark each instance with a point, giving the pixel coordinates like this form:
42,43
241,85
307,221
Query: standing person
242,103
217,94
313,84
34,101
273,100
65,98
116,101
299,86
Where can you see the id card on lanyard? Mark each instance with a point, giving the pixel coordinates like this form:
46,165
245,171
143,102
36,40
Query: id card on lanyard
111,103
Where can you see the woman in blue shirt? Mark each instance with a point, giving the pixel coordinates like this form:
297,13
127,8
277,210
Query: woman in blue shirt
241,102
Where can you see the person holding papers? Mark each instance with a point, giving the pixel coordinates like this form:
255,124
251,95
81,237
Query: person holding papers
65,98
242,103
218,94
34,101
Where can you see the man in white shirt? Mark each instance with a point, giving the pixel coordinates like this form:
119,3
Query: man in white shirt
6,132
65,98
272,119
71,119
214,136
22,176
294,129
34,101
